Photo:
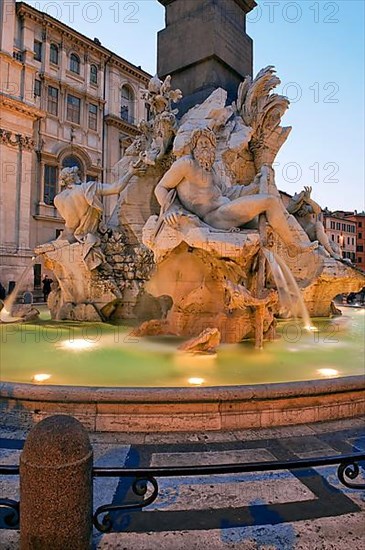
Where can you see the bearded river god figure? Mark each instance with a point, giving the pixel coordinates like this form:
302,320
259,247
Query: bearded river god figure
199,192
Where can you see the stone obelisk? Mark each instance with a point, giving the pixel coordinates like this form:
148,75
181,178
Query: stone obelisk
204,46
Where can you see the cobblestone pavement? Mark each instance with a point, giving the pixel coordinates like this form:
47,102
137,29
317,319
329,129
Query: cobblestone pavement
305,509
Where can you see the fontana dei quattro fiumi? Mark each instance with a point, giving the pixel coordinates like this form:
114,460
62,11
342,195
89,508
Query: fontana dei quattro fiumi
205,301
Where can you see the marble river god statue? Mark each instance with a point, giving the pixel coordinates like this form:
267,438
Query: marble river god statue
199,192
200,244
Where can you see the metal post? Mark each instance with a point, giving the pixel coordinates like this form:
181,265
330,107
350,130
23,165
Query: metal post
56,486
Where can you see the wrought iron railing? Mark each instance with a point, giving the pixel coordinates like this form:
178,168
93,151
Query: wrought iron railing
9,507
348,470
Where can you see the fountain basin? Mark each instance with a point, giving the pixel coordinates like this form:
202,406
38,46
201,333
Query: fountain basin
187,409
112,384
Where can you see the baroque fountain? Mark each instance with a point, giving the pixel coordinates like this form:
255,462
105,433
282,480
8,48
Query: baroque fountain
201,254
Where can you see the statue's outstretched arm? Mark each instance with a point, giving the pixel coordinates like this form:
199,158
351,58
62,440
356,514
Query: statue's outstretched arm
117,187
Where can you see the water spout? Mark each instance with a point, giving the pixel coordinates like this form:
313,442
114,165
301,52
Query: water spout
289,293
6,312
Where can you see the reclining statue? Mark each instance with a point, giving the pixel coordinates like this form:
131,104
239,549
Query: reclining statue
198,190
306,211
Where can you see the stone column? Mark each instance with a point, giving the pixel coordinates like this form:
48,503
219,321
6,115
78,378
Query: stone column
205,46
56,486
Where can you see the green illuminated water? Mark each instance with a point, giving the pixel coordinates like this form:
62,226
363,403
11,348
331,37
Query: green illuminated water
104,355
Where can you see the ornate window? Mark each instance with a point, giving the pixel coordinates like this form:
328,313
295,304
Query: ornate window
50,183
37,88
93,74
37,50
127,104
75,63
53,54
93,117
52,102
73,108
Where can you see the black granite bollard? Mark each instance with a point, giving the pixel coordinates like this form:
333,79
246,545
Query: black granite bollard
56,486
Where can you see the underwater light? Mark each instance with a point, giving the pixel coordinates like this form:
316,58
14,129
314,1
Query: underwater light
196,381
41,377
328,372
77,345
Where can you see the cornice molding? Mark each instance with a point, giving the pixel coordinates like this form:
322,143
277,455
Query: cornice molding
49,218
25,109
65,86
7,57
123,125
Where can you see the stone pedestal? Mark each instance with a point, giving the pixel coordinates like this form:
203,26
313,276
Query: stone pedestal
204,46
56,486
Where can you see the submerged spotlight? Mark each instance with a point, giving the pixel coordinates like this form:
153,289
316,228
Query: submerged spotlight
196,381
328,372
41,377
77,345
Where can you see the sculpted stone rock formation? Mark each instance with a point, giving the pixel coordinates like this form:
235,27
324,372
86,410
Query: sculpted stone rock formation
207,342
200,243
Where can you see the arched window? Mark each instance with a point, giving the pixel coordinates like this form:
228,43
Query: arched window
127,104
75,63
93,74
72,160
53,57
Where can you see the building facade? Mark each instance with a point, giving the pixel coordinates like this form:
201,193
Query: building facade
65,100
359,219
343,231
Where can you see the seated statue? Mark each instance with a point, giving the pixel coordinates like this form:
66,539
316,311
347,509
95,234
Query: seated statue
199,191
79,203
80,206
306,211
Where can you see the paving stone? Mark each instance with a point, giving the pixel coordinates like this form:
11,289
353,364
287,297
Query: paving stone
338,425
204,458
230,492
307,447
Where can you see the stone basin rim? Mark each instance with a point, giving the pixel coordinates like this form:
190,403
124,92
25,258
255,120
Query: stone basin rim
100,394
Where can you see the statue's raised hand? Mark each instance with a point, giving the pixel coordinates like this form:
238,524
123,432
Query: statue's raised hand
307,192
137,168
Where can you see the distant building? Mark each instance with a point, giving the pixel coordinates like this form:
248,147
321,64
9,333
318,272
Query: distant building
360,237
65,100
343,231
